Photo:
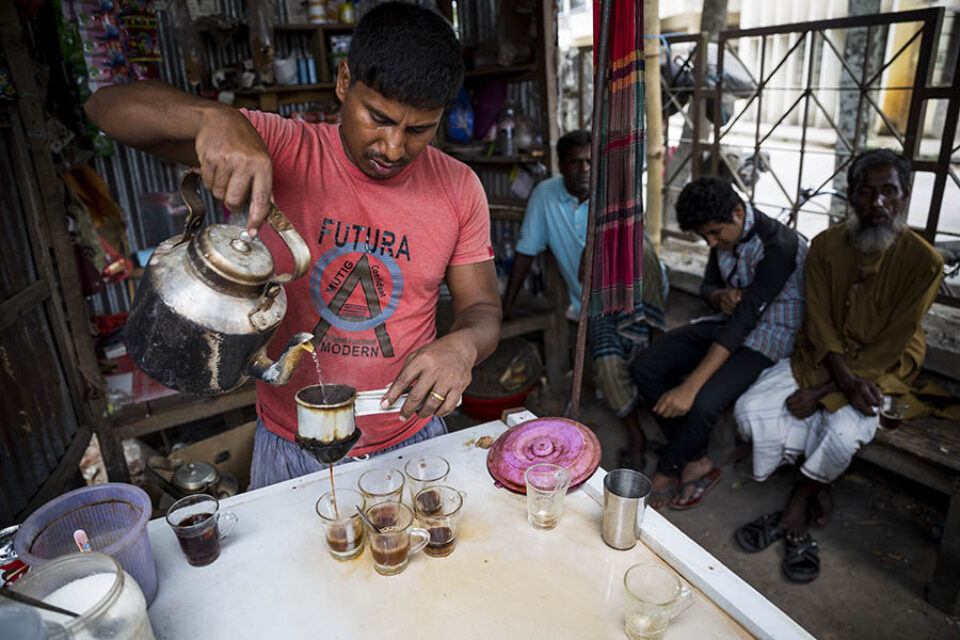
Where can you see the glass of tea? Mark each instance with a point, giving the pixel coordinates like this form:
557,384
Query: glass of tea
394,539
342,525
200,526
382,484
892,411
438,510
425,471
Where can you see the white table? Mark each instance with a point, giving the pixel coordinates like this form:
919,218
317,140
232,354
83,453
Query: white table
275,579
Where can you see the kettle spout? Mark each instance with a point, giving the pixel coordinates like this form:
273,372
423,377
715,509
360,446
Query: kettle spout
279,372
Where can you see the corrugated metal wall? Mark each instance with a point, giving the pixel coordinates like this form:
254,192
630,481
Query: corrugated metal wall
37,419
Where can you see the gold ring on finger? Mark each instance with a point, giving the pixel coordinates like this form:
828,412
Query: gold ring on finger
438,396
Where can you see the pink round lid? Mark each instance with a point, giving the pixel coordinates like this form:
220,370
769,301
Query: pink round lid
558,441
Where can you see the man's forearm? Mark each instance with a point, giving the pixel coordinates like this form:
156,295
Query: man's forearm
716,355
153,116
521,266
825,389
478,329
840,373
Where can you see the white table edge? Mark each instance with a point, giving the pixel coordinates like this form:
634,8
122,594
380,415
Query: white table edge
747,606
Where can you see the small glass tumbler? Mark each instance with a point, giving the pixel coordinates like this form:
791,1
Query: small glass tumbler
382,484
197,520
547,484
654,597
390,542
438,510
343,526
425,471
892,411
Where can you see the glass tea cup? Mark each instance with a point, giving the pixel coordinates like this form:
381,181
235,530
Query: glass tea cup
425,471
547,485
343,526
438,509
392,546
197,520
382,484
654,597
892,411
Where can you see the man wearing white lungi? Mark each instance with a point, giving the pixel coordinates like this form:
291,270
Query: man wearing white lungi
870,281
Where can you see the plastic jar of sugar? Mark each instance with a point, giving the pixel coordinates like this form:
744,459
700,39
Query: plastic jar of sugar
109,601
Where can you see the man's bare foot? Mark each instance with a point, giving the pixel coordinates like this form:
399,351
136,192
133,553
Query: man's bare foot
795,520
663,491
693,471
821,507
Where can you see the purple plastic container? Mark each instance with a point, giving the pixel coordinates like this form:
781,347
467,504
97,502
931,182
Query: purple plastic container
115,517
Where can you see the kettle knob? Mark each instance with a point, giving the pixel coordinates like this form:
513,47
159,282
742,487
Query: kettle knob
242,244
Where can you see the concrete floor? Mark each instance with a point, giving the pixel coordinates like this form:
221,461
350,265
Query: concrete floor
877,553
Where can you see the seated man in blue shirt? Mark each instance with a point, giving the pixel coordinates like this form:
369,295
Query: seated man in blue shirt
754,279
556,218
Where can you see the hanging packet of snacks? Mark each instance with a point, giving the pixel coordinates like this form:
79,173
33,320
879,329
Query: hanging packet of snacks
119,40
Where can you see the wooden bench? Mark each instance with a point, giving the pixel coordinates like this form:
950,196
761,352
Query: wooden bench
927,451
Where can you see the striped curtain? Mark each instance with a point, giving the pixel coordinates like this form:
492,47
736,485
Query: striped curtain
616,283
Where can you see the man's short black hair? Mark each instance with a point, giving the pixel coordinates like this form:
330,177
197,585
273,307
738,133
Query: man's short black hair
572,140
706,199
877,158
407,54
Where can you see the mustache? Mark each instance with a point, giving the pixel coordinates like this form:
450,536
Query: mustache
382,159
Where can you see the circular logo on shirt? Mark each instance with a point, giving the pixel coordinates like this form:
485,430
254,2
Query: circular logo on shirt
354,288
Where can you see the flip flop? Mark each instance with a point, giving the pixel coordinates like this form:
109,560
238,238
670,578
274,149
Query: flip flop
801,563
669,493
702,488
759,534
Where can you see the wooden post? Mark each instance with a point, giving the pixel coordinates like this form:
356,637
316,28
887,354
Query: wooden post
654,129
602,44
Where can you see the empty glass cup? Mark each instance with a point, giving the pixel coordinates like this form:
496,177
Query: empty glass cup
382,484
547,484
343,526
654,597
425,471
438,510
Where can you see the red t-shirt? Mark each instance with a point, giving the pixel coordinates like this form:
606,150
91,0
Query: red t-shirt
380,251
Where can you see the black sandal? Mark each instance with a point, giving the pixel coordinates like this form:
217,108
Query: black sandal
759,534
802,560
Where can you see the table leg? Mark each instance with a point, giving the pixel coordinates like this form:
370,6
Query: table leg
944,591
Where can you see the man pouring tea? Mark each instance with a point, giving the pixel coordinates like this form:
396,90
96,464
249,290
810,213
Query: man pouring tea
387,217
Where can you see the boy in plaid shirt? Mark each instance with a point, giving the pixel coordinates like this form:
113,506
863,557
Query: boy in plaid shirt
754,279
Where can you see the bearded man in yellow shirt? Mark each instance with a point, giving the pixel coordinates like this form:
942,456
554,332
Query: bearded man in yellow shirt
870,281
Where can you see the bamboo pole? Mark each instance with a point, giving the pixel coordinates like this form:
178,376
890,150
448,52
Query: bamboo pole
602,44
654,126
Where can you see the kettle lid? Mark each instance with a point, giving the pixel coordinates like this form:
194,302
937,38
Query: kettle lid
195,476
224,255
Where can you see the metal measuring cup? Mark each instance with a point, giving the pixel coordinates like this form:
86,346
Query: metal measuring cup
625,494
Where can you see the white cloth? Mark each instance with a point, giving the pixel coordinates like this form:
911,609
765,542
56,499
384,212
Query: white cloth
827,440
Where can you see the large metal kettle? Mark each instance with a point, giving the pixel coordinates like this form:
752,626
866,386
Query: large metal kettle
209,302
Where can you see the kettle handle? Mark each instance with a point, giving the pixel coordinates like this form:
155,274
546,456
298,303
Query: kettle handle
294,241
277,221
196,211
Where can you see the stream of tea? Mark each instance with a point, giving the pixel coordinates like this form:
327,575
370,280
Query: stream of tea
323,394
316,363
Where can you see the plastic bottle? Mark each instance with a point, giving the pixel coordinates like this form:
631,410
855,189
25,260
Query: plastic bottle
506,124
